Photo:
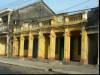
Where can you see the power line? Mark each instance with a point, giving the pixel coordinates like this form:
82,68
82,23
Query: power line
76,5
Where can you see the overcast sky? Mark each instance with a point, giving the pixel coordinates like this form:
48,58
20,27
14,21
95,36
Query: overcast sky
56,5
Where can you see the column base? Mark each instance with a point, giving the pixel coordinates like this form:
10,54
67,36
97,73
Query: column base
83,61
21,57
67,60
51,58
15,55
40,58
30,57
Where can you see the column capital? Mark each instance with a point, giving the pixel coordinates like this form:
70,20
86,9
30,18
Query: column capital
52,34
84,33
41,35
31,35
30,32
22,37
15,38
67,32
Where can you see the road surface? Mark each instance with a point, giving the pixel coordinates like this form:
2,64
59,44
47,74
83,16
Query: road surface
12,69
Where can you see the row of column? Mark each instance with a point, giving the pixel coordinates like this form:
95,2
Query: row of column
51,51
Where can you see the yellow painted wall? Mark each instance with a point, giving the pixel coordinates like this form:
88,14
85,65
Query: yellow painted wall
2,46
15,46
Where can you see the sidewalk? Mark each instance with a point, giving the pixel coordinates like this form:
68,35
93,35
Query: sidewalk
56,66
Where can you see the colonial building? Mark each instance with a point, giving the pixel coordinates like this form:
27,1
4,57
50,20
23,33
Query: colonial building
5,16
39,33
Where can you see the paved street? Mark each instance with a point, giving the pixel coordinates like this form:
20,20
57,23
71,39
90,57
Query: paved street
11,69
40,67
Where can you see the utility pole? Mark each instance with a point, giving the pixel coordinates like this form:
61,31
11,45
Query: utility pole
9,36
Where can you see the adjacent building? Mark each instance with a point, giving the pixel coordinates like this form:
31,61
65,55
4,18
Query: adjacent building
5,17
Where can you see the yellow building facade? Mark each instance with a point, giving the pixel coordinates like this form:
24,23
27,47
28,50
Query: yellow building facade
63,37
49,36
